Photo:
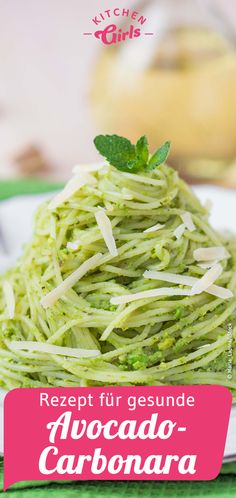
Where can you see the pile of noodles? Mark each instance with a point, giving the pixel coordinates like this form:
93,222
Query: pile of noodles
74,311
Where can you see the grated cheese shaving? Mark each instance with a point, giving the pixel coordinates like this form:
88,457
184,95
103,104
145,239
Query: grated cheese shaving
70,281
105,228
187,220
207,264
169,277
178,232
214,290
154,228
164,291
220,292
73,245
9,298
207,280
70,189
44,347
210,253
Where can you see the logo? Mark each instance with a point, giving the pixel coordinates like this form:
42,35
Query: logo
106,27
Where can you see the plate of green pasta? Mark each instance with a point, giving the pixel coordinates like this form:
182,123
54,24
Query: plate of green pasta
127,278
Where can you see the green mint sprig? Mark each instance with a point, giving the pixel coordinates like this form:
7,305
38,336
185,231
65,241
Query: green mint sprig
125,156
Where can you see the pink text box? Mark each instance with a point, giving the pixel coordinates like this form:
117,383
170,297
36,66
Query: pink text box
162,432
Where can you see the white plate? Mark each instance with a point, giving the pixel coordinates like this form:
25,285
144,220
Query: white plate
15,234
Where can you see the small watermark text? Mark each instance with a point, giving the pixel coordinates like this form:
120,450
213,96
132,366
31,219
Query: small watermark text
230,352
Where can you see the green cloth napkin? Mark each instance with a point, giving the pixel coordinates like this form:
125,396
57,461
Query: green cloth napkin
10,188
224,486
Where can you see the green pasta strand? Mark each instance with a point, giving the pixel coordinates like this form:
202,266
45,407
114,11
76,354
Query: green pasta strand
153,341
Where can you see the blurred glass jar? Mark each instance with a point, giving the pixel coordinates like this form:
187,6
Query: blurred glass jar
179,84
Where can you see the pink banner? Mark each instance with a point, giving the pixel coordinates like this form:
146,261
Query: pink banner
167,432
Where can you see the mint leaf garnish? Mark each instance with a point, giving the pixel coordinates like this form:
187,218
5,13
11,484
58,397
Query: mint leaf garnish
125,156
117,150
159,157
142,149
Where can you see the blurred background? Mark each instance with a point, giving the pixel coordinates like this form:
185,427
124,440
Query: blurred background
59,88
